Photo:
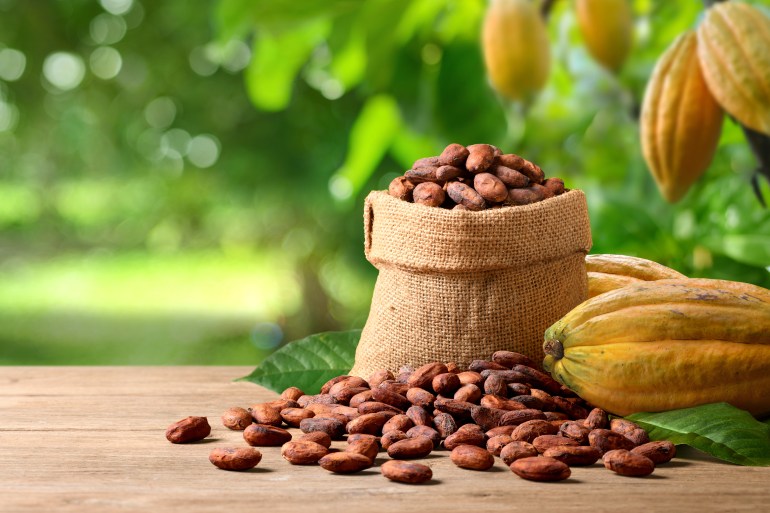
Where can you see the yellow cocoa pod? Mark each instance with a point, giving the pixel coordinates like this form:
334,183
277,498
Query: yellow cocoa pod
667,344
610,272
734,52
607,28
680,120
516,49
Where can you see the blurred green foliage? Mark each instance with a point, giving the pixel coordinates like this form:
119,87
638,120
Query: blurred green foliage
184,185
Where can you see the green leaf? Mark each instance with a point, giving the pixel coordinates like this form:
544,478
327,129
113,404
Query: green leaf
749,249
719,429
277,58
307,363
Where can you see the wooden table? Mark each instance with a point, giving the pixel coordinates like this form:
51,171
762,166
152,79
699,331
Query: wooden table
87,439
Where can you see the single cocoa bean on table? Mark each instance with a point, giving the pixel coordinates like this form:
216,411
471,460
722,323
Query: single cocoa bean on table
406,471
540,468
303,452
411,448
472,457
344,462
189,429
235,458
626,463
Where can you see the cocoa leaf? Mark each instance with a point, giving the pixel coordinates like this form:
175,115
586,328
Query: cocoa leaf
718,429
307,363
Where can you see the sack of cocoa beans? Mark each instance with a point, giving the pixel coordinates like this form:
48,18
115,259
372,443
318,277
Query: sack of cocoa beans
458,284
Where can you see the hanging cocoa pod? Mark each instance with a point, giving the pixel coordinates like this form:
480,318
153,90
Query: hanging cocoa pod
680,120
734,52
607,29
516,49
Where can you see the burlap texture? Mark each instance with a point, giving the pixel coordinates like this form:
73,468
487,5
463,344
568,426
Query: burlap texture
458,285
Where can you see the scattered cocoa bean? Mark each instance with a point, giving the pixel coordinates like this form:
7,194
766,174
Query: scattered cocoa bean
454,155
627,463
235,458
658,452
384,395
344,462
605,440
480,157
263,435
419,416
597,419
517,417
392,437
469,378
638,436
472,457
366,446
465,435
426,432
490,187
293,416
399,422
510,358
303,452
540,468
544,442
410,448
469,393
236,418
516,451
531,429
509,177
292,393
189,429
445,384
496,443
420,397
466,196
406,471
429,194
370,423
332,427
378,377
445,424
575,431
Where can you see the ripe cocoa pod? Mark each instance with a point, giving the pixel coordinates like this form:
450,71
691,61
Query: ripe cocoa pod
472,457
540,468
607,28
236,418
516,451
429,194
189,429
401,188
262,435
406,472
303,452
626,463
573,455
454,155
680,120
235,458
516,48
734,54
411,448
344,462
658,452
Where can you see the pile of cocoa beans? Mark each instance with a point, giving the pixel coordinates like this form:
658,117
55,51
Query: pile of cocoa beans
476,177
503,407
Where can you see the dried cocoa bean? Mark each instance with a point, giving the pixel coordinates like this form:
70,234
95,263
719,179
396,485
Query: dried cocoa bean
597,419
445,384
458,409
189,429
235,458
307,400
347,412
556,415
359,398
401,187
490,187
303,452
496,443
266,414
370,423
454,155
509,177
605,440
539,379
627,463
331,415
510,358
469,378
379,376
403,376
236,418
385,395
573,409
349,382
465,435
540,468
292,393
480,157
544,442
469,393
573,455
638,436
426,161
329,384
320,409
482,365
318,437
344,462
422,377
465,195
575,431
487,418
472,457
623,426
426,432
658,452
517,417
446,173
523,196
516,451
445,424
293,416
429,194
555,185
410,448
376,407
420,397
515,389
366,446
263,435
332,427
496,385
392,437
500,430
495,401
406,472
419,416
529,402
531,429
399,422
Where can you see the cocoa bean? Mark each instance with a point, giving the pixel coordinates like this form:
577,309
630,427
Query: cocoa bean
509,177
623,426
352,381
403,375
236,418
426,432
307,400
544,442
573,455
517,417
331,415
575,431
545,192
303,452
496,385
445,384
458,409
510,376
472,457
426,161
293,416
420,397
516,451
392,437
385,395
510,358
370,423
627,463
523,196
422,377
531,429
266,414
399,422
379,376
539,468
555,185
490,187
469,378
292,393
406,472
487,418
401,187
480,157
320,409
446,173
410,448
359,398
362,436
468,393
235,458
658,452
454,155
605,440
465,195
482,365
282,404
515,389
376,406
332,427
422,174
429,194
189,429
465,435
501,403
539,379
556,415
318,437
597,419
263,435
496,443
638,436
344,462
529,402
419,416
347,412
574,410
500,430
366,446
329,384
445,424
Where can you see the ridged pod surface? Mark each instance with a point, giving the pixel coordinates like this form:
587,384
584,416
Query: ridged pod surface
516,48
734,52
680,120
667,344
609,272
607,29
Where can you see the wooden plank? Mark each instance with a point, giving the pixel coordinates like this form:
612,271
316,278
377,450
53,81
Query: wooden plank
91,439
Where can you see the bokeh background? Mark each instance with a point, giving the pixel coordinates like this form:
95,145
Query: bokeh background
182,182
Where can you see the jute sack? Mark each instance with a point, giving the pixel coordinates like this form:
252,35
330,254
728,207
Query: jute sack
458,285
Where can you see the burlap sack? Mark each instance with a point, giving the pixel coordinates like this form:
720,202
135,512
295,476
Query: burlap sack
458,285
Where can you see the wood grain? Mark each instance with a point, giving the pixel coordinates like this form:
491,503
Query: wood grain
82,439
